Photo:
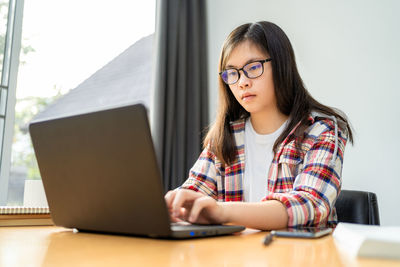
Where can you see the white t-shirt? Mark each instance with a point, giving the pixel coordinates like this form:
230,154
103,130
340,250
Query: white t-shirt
258,157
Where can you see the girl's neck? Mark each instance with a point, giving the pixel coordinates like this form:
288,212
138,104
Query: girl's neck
266,123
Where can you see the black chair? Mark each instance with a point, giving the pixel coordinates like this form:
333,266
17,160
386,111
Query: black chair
357,207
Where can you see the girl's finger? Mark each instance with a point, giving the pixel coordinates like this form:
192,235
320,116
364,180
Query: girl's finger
198,205
182,196
169,197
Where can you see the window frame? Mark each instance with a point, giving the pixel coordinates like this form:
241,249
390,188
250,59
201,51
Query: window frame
8,84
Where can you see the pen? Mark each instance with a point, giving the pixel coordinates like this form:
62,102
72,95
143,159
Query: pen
268,238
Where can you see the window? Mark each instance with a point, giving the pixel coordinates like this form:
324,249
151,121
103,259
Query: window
63,44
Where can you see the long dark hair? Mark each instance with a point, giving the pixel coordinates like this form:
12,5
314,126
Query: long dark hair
292,97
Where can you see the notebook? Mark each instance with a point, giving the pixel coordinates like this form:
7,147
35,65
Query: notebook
17,210
24,216
371,241
100,174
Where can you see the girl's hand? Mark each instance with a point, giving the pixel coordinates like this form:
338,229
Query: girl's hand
169,197
194,207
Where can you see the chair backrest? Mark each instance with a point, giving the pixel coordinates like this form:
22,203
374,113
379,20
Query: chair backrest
357,207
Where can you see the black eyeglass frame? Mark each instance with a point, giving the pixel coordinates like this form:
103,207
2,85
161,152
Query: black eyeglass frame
244,72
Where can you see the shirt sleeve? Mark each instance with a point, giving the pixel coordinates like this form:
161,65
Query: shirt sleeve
317,186
202,176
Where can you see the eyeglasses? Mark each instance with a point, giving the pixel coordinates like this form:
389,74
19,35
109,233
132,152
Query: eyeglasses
252,70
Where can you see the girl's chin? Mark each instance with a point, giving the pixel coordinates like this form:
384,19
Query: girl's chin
249,109
253,110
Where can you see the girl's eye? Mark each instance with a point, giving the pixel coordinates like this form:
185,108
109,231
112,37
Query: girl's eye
254,67
232,73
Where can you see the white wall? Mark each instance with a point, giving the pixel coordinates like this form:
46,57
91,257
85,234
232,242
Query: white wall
348,54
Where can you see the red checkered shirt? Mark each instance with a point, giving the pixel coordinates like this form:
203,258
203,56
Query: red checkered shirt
306,178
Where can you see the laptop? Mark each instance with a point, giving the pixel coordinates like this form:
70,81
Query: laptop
100,174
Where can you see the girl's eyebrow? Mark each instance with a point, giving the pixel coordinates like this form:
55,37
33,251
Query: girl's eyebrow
229,66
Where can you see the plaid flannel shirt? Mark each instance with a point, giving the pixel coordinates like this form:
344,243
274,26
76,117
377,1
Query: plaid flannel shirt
304,180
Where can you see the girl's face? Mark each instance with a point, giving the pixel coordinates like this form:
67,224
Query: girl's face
256,95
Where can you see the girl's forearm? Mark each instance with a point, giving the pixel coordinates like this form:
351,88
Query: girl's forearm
264,215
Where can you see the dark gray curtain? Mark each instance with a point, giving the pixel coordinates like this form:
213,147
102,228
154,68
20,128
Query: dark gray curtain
180,100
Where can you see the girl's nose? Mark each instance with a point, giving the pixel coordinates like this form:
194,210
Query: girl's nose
244,82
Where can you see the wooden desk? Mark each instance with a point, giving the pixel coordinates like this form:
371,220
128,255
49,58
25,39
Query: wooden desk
55,246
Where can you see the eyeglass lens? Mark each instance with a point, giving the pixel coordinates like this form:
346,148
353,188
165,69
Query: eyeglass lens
251,70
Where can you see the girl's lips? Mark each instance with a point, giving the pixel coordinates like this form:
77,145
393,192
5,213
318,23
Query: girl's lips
248,97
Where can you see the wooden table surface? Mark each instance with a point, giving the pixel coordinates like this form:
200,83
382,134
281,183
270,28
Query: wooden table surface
56,246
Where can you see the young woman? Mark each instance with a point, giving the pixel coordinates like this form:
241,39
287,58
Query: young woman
273,158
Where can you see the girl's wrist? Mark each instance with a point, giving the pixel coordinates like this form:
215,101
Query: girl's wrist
224,207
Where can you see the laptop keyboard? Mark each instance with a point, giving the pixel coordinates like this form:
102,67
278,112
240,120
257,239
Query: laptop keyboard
181,223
